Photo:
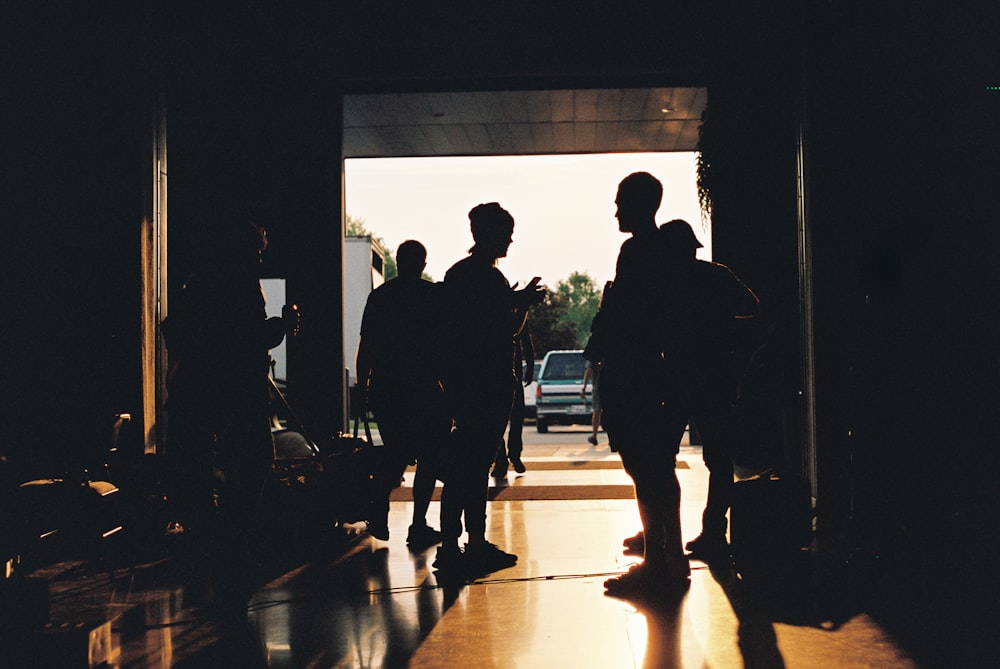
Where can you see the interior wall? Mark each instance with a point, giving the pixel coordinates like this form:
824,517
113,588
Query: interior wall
905,264
71,128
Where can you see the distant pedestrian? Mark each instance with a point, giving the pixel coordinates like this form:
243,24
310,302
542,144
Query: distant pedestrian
592,374
524,371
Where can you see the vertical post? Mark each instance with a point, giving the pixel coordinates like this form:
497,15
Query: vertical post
806,333
153,241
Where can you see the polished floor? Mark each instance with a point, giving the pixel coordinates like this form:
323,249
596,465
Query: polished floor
376,604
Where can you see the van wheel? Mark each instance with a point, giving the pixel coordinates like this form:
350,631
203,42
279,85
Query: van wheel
541,425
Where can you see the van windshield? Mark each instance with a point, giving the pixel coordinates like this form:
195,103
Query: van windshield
564,367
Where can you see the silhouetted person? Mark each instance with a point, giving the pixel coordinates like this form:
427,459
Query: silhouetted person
681,365
483,315
627,336
718,302
219,443
395,366
524,373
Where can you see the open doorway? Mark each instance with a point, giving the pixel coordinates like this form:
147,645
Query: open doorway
563,207
416,163
408,159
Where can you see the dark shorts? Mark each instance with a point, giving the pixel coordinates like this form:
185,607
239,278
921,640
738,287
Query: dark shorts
647,441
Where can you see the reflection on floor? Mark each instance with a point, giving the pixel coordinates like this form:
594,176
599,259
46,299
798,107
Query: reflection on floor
376,604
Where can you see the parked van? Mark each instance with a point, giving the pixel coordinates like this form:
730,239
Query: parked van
557,398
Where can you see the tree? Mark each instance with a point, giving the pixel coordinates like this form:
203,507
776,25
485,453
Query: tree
580,296
550,329
355,227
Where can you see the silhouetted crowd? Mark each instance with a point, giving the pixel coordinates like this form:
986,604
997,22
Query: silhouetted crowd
440,366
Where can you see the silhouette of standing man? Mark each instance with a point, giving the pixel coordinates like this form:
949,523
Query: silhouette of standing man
707,327
220,444
663,332
482,317
627,335
395,367
717,303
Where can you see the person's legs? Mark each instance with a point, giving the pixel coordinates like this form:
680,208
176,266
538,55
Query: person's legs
595,426
511,452
648,447
499,470
245,458
430,438
649,457
595,422
396,440
423,490
483,430
481,427
515,441
715,424
465,492
384,480
191,461
474,485
480,416
451,474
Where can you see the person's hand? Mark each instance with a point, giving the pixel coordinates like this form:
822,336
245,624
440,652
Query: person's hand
583,392
530,295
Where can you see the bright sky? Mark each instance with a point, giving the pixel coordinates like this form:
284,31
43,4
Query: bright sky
563,207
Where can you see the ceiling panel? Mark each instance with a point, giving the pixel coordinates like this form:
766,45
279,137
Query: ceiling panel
561,104
611,120
458,140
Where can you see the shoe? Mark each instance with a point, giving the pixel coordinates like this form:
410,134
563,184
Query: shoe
448,559
423,536
484,558
707,548
499,472
645,582
592,439
635,545
379,529
518,465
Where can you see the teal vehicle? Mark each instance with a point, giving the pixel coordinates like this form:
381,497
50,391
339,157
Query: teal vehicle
557,397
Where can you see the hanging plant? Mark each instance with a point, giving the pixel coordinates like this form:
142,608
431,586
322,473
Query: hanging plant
703,172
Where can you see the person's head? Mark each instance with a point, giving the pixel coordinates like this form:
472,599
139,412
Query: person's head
680,237
411,257
234,247
638,199
492,229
